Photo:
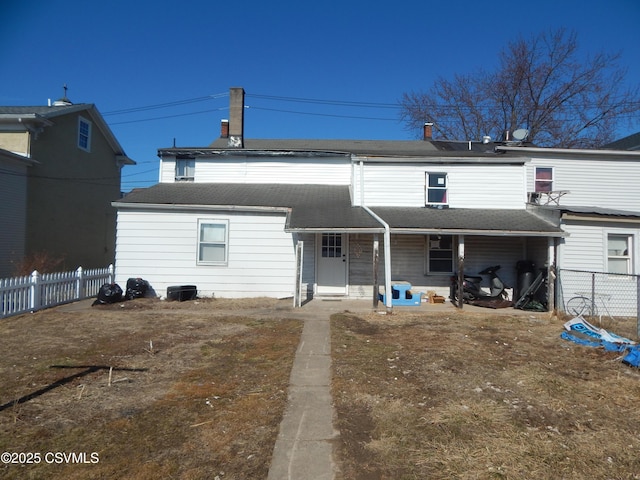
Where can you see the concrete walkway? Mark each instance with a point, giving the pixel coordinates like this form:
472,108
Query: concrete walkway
304,448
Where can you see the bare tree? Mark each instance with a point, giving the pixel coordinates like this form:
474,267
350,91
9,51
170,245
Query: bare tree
540,84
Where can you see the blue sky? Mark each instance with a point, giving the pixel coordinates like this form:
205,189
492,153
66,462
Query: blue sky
123,55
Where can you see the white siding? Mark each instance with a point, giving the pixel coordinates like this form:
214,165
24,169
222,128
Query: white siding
13,198
468,186
586,246
591,182
586,249
290,170
161,247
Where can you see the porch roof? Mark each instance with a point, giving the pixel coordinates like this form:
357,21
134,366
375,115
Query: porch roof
328,208
309,207
467,221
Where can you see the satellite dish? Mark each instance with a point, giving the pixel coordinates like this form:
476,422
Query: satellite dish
520,134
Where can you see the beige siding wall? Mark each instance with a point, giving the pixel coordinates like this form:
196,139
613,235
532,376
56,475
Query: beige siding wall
13,198
16,142
70,194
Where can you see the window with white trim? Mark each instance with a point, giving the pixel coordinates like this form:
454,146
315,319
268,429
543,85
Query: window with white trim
213,242
440,255
619,249
84,134
543,181
436,188
185,169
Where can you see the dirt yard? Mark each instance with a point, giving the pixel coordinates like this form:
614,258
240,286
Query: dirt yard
481,396
196,390
145,389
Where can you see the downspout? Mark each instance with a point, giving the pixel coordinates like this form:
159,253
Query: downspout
387,243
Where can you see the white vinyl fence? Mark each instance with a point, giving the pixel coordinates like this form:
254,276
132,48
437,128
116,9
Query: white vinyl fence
37,291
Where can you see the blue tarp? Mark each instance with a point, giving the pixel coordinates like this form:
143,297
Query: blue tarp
579,331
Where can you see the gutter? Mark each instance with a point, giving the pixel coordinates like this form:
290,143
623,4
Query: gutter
478,233
629,154
387,243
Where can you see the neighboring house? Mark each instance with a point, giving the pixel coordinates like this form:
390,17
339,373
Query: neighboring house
594,195
61,168
13,216
630,142
304,218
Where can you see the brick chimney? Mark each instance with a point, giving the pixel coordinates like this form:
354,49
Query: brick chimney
236,117
224,128
428,131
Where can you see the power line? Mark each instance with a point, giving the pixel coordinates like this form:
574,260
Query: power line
322,114
166,104
327,102
170,116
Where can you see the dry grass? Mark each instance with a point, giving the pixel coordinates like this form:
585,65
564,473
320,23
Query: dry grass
189,390
196,390
480,397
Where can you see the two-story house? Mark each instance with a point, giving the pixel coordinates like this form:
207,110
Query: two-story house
61,167
282,218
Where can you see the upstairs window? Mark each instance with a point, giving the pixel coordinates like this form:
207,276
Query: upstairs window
436,189
185,169
440,254
618,257
213,242
544,179
84,134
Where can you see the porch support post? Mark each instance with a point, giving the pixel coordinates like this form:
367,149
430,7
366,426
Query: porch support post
376,262
297,296
551,275
460,270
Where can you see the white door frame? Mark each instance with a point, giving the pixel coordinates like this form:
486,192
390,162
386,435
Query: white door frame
332,264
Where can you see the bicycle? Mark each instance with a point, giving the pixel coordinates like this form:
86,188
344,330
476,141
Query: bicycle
582,305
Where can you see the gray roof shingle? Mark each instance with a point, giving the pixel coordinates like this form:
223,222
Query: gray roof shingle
328,207
312,206
476,220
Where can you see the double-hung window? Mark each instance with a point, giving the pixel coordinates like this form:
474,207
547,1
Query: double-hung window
84,134
544,179
213,242
619,247
440,254
436,189
185,169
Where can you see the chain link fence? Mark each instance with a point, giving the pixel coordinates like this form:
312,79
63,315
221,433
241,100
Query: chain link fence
597,294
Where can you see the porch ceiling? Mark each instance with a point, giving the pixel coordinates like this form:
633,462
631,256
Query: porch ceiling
470,221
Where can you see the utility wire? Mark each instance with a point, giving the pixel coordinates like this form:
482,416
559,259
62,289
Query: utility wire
170,116
165,105
326,102
323,114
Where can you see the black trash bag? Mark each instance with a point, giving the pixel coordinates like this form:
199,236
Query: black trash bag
108,293
136,288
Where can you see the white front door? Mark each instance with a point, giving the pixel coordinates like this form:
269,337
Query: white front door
332,264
